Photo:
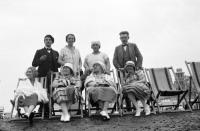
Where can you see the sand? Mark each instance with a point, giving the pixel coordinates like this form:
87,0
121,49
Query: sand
176,121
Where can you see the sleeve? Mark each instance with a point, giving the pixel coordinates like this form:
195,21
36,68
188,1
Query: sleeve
36,60
58,64
139,57
141,76
115,59
85,65
60,57
107,62
89,79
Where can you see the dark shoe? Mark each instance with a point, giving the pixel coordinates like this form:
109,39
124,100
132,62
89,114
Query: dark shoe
31,118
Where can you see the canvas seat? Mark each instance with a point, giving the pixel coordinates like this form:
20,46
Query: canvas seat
163,87
38,115
76,109
114,108
120,77
194,71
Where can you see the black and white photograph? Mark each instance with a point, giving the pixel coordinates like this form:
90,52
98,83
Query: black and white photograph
99,65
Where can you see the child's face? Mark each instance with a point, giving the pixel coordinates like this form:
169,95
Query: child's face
130,69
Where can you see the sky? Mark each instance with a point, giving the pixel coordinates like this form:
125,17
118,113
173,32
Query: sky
165,31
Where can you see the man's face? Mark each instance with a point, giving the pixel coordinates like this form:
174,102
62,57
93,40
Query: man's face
95,47
124,38
48,41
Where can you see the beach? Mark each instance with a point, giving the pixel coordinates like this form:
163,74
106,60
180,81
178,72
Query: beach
173,121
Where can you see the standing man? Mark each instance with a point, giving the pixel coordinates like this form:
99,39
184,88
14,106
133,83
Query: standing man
46,61
126,52
46,58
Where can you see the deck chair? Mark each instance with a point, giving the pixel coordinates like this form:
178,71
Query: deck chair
53,109
115,107
120,78
39,115
194,71
162,86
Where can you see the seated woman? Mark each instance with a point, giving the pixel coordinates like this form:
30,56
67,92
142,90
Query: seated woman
66,90
29,93
135,87
101,88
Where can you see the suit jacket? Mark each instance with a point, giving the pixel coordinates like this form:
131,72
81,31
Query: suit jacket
134,53
45,66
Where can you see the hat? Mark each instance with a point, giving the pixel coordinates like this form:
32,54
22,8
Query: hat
96,42
69,65
101,64
129,63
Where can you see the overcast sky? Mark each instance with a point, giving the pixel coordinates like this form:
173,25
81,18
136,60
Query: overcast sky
166,31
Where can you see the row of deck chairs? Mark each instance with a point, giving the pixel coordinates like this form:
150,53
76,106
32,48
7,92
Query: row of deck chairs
160,82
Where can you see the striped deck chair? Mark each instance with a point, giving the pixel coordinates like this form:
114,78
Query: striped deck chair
54,110
114,110
120,77
162,86
38,115
194,71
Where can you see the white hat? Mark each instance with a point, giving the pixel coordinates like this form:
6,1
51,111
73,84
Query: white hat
96,42
101,64
129,63
68,65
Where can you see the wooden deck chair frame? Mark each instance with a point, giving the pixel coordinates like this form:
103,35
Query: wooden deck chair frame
43,80
166,90
116,106
51,102
120,76
194,71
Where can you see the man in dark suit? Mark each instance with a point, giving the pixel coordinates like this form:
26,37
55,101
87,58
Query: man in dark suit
126,52
46,58
46,61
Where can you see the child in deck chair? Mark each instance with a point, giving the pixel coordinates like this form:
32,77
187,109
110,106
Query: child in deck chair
135,87
101,88
66,90
29,93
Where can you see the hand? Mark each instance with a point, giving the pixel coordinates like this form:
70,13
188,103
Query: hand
43,57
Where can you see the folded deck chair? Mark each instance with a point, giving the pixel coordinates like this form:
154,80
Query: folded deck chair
120,77
53,110
194,71
39,115
162,86
114,110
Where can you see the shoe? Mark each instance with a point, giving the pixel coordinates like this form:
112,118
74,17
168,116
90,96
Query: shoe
66,118
105,115
138,112
147,110
25,116
31,118
62,117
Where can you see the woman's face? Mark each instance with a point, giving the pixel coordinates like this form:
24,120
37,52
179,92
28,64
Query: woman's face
130,69
70,40
66,70
29,73
97,68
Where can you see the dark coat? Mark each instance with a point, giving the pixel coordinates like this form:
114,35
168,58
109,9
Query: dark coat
135,55
50,64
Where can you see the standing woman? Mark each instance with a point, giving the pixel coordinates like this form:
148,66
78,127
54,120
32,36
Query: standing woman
135,87
70,54
66,88
29,93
